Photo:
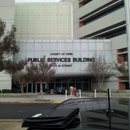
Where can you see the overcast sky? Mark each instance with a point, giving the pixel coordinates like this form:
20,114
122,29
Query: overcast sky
37,0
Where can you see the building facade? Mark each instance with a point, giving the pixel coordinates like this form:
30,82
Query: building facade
71,57
106,19
7,9
75,21
43,20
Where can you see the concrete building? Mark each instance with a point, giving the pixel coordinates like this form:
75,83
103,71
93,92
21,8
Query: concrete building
76,21
43,20
6,14
34,25
106,19
35,21
71,57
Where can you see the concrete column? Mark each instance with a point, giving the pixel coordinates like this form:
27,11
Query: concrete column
36,87
27,88
65,94
80,93
95,94
129,114
127,12
110,92
31,87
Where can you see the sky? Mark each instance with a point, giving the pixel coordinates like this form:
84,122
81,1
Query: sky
37,0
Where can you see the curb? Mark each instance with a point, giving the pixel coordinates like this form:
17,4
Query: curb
57,102
32,102
11,120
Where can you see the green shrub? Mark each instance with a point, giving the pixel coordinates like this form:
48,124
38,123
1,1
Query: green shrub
16,91
6,91
0,91
105,91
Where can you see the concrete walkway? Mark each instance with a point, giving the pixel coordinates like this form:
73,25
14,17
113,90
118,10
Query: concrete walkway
47,98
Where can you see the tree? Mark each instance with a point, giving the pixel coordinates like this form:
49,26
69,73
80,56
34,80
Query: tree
15,71
11,67
41,72
8,45
121,70
99,69
20,79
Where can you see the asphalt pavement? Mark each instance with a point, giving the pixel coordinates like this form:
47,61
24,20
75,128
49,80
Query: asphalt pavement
15,111
47,98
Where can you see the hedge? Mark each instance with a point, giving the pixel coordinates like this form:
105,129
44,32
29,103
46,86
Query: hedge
10,91
16,91
6,91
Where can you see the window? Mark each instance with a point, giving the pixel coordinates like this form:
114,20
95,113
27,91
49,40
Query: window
113,33
101,14
83,2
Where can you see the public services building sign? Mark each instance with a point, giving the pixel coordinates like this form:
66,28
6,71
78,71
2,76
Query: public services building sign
71,56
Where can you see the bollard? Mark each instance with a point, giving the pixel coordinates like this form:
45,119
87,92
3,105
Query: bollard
65,94
95,93
110,92
80,93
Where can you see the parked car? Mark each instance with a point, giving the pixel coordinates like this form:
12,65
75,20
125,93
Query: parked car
83,114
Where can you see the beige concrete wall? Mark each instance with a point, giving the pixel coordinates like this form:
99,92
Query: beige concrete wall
91,6
99,24
7,14
110,83
43,20
79,12
102,23
118,43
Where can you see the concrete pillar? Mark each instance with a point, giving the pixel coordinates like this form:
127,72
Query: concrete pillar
127,12
27,88
129,114
65,94
80,93
36,87
31,87
95,95
110,92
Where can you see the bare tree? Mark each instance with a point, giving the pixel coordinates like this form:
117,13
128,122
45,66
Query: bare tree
20,80
41,72
99,69
121,70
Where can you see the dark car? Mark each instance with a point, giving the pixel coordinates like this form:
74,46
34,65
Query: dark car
84,114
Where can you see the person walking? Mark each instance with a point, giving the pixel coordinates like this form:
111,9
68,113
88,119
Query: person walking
74,91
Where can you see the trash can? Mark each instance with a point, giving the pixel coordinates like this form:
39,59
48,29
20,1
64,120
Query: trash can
52,91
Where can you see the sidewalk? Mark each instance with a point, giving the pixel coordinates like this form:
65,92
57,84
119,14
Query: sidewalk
47,98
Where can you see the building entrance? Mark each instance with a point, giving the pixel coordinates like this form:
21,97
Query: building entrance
35,87
65,82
